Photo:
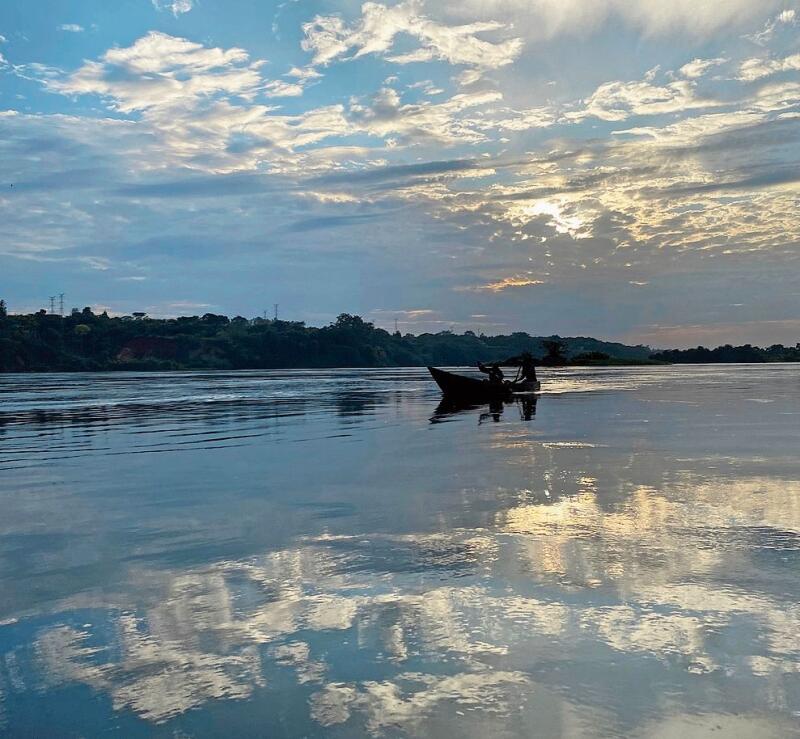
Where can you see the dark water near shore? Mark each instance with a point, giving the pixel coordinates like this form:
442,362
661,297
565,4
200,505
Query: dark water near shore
327,554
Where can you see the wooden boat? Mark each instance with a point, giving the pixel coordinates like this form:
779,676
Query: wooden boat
459,386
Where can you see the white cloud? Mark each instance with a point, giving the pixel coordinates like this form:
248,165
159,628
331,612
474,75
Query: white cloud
176,7
385,115
199,105
784,18
548,18
690,131
468,77
698,67
279,88
329,38
72,28
509,283
652,73
777,97
191,120
755,69
160,70
507,119
300,78
616,101
303,73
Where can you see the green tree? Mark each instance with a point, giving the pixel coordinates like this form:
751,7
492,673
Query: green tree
3,309
555,352
357,323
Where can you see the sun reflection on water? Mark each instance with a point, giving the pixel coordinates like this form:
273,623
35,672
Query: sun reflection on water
571,583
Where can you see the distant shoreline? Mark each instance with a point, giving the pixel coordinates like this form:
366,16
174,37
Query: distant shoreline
87,342
138,368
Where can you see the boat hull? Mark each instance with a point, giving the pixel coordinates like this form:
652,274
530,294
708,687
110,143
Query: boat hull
472,388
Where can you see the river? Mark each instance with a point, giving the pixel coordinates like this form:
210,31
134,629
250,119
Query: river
330,553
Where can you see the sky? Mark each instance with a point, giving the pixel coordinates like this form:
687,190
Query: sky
610,168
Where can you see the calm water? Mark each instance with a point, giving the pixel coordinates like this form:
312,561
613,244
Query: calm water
327,553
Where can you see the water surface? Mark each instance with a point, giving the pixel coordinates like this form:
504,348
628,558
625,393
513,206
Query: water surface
292,554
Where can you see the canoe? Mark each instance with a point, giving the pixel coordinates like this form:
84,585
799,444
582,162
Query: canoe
459,386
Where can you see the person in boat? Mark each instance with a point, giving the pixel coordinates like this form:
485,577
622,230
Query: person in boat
528,367
494,372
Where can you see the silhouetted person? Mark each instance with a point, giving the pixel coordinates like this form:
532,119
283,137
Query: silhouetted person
528,368
495,412
493,371
528,404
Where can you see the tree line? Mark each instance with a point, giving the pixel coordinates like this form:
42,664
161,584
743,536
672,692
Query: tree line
746,353
86,341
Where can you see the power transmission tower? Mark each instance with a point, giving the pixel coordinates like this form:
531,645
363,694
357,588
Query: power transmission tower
276,311
52,304
61,304
395,325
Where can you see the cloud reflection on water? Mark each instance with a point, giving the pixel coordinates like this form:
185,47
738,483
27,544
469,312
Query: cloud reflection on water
598,588
631,584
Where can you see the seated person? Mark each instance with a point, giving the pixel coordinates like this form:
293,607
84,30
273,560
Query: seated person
494,372
528,365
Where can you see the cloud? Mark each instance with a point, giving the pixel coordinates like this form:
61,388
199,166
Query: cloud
714,334
160,70
303,73
188,305
698,67
410,314
201,104
385,114
617,101
507,283
695,188
279,88
778,96
410,698
74,155
197,100
538,19
758,68
786,17
759,178
468,77
190,184
198,158
329,38
402,172
331,222
176,7
508,119
72,28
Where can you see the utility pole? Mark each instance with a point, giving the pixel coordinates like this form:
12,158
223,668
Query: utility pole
52,304
61,304
276,311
